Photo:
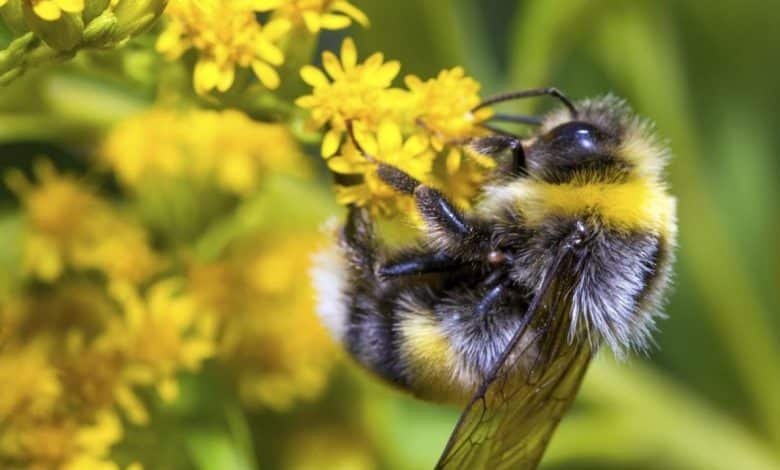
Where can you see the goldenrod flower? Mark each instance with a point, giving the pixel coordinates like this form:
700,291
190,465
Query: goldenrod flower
57,403
462,178
159,335
411,155
55,239
226,34
443,106
225,149
315,14
270,334
357,92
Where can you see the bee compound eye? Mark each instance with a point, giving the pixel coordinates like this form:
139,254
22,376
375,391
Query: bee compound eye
576,138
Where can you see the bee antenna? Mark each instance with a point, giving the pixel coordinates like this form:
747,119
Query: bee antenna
351,133
550,91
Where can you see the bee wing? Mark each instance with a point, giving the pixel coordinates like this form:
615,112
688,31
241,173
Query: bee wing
511,418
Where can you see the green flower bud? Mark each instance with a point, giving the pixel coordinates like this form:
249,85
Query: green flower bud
135,16
13,17
100,32
61,34
93,9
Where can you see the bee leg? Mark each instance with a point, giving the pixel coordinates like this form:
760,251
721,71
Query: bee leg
429,263
437,211
497,286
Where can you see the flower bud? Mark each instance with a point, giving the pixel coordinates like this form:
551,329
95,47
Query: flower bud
62,34
13,17
100,32
94,8
135,16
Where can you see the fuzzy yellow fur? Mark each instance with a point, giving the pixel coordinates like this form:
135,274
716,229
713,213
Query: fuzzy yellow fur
431,358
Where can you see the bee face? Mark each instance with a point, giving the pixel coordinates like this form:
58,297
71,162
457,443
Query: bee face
588,146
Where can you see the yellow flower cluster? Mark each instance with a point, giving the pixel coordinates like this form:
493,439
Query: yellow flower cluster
72,360
315,14
419,129
66,229
270,335
228,35
222,149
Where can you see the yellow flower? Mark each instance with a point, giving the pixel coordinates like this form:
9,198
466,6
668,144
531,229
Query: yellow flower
159,335
411,155
270,335
57,403
100,238
32,386
462,178
442,106
357,92
315,14
319,447
52,10
222,148
226,35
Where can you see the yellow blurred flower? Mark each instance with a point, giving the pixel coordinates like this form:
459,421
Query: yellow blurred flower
159,335
226,35
225,148
57,403
320,448
69,226
315,14
270,335
354,92
411,155
32,385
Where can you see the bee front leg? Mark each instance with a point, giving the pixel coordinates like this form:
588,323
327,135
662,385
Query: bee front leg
439,213
419,264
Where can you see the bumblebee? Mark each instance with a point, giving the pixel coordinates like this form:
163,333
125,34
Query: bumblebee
569,247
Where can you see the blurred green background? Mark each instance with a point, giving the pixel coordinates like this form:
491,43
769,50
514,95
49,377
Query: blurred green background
707,73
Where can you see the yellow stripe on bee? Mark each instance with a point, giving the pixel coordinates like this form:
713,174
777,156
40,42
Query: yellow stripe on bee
428,353
637,204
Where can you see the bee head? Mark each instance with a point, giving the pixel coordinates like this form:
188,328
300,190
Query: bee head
603,143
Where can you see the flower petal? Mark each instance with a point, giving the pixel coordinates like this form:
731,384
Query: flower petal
71,6
267,75
331,143
205,76
348,54
266,5
334,22
389,136
312,21
313,76
332,65
269,52
275,29
351,11
47,10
